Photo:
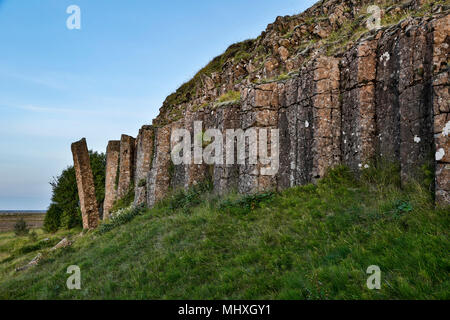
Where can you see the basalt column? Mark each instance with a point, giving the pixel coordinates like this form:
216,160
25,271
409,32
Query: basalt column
158,180
358,105
259,120
112,171
126,167
414,88
326,112
224,175
144,155
441,108
85,184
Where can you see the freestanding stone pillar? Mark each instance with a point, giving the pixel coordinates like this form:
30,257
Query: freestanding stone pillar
144,156
112,171
85,183
126,167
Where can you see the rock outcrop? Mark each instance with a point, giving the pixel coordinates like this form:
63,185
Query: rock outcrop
85,184
112,176
126,165
337,92
144,156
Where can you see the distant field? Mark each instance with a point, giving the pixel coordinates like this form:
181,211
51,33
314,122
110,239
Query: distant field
34,219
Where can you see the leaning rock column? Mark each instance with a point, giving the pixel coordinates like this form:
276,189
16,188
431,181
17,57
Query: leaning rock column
85,184
441,108
112,168
126,169
144,155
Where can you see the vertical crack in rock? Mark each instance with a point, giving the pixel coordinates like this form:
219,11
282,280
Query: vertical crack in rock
112,170
85,184
126,167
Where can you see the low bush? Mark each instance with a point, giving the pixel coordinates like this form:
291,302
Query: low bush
21,228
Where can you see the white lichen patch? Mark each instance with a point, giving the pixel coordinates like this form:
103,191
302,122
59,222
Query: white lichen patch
417,139
440,154
446,130
385,58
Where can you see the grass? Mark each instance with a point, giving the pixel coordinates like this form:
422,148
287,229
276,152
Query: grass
309,242
17,251
228,97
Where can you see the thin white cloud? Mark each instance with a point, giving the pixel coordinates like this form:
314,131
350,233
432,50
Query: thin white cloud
48,81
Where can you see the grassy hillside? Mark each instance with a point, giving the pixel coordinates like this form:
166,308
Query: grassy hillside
311,242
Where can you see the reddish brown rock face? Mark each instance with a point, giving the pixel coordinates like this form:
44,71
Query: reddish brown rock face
112,170
383,96
85,184
358,105
158,180
144,155
441,108
126,166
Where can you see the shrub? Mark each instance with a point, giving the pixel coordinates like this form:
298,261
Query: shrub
52,218
21,228
64,212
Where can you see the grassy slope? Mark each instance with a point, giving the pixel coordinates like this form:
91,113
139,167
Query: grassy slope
311,242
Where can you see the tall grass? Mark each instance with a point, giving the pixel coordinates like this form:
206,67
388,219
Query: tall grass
307,242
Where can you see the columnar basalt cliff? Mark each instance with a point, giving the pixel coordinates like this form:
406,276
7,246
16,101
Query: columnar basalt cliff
338,92
85,184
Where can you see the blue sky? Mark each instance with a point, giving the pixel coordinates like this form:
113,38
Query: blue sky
111,77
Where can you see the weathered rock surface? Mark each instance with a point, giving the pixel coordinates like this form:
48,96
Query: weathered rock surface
384,95
112,172
144,156
85,183
126,165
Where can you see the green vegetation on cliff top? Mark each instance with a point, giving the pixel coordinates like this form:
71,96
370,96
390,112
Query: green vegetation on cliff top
310,242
